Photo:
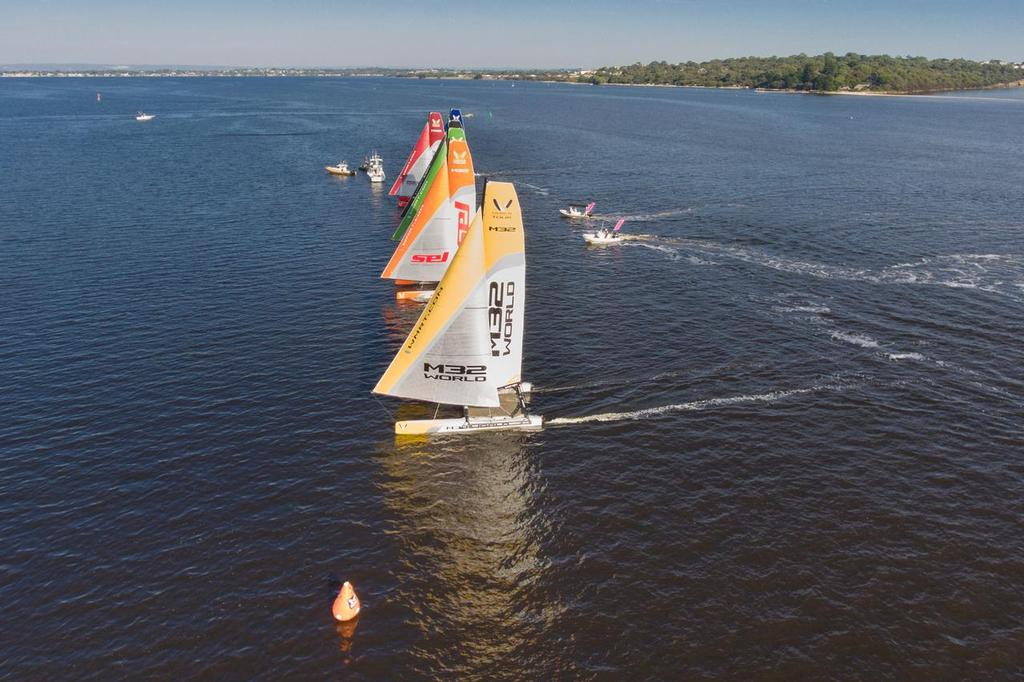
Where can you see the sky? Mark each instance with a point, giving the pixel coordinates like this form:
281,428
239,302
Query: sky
495,33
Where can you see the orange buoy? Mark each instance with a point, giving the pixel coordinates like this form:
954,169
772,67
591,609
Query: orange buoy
346,606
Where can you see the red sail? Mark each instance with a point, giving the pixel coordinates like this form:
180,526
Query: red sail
429,139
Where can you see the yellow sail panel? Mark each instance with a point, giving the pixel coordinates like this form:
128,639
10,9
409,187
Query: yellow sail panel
467,342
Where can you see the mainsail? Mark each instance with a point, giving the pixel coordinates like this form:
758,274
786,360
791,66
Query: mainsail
439,215
468,342
419,159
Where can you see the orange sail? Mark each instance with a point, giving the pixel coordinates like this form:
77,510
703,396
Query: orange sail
439,216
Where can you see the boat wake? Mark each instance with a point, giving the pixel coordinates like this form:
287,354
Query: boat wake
673,254
642,217
861,340
709,403
1001,274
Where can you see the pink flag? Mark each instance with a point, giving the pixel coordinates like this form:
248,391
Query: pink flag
618,225
590,207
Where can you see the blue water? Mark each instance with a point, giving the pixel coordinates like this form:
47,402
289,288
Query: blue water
784,422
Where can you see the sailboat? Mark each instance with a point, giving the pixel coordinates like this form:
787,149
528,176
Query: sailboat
437,218
466,348
419,159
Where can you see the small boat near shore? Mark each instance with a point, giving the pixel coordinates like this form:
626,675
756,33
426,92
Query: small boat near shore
143,116
577,211
341,169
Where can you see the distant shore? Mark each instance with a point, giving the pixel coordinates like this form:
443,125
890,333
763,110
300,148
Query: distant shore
565,77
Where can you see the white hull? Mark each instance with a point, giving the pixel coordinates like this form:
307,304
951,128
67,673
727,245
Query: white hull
572,214
419,427
375,177
592,238
145,117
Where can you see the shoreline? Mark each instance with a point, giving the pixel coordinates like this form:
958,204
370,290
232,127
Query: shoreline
791,91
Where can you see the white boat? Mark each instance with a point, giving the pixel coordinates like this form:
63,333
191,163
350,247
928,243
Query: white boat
466,348
577,211
601,238
604,237
375,168
341,169
143,116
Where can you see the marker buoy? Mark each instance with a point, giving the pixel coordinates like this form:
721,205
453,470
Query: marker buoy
346,605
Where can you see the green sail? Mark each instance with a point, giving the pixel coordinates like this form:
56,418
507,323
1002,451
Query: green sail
416,203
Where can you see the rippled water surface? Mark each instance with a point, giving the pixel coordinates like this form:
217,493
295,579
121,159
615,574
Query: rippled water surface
784,420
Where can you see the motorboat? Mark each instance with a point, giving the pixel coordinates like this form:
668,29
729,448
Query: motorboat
605,236
375,168
341,169
577,211
602,237
143,116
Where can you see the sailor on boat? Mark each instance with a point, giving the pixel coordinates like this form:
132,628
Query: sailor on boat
574,211
604,236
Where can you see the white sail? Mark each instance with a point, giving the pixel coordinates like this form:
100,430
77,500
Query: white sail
468,342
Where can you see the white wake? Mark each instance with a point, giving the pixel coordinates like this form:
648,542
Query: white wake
685,407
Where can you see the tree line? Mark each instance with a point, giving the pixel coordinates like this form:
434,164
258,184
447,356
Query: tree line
820,73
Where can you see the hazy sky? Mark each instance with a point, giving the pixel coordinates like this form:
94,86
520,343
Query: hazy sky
494,33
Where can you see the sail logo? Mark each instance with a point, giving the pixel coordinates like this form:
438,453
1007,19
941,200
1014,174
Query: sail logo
501,301
430,257
501,214
463,227
449,372
459,158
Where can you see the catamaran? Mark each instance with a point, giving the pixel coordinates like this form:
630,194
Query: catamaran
575,211
375,168
419,159
466,348
437,217
604,236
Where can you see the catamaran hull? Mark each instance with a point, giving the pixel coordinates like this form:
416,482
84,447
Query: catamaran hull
421,427
418,296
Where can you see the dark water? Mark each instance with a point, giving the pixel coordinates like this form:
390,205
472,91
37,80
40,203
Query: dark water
785,427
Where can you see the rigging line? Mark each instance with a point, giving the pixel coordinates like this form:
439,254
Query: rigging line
388,412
